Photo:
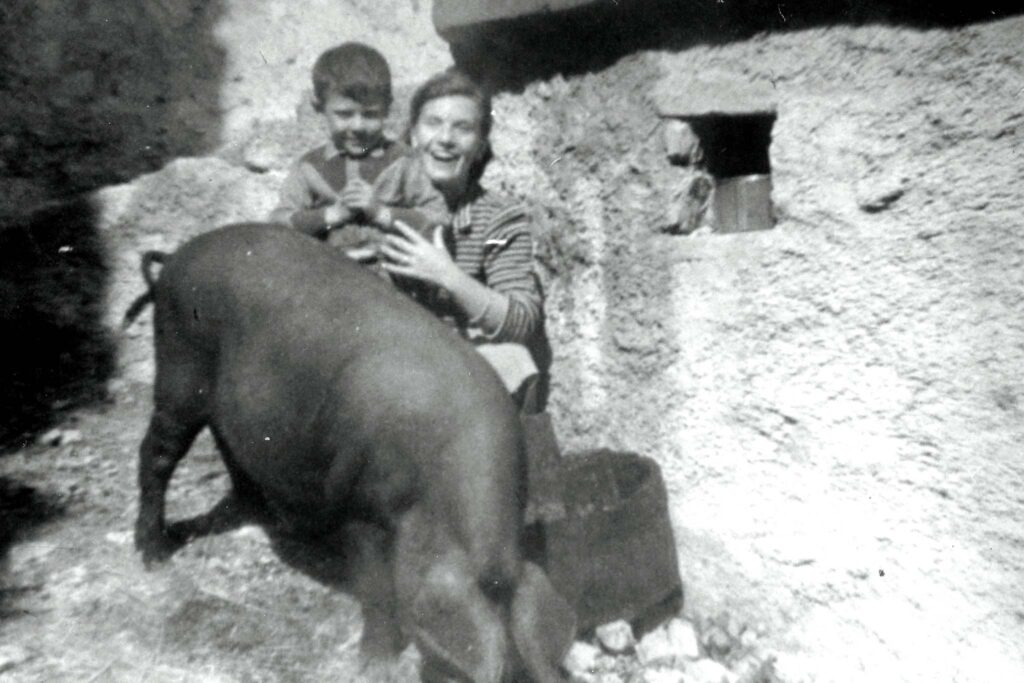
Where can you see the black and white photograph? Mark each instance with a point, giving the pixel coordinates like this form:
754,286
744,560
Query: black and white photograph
511,341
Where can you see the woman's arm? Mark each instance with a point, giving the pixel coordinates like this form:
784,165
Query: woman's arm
508,307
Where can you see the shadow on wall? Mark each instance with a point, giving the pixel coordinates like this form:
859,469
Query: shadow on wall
95,92
508,54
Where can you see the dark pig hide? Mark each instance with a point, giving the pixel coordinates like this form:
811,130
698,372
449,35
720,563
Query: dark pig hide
334,398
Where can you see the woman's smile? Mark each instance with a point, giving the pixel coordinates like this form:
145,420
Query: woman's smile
448,135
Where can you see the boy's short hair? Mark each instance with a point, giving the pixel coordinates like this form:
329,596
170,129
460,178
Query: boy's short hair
352,70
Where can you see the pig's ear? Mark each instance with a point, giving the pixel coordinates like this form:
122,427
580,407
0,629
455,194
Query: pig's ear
543,624
458,631
315,102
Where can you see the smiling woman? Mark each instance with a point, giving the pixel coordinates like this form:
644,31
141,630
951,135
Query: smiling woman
479,253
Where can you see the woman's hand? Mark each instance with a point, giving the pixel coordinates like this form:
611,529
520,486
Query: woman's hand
410,254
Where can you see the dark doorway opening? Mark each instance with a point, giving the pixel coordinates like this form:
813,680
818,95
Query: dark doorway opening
735,145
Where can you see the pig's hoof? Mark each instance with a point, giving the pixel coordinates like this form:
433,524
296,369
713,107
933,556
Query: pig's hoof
157,548
375,670
381,641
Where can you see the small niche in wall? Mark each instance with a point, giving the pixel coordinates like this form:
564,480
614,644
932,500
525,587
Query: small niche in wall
722,132
736,155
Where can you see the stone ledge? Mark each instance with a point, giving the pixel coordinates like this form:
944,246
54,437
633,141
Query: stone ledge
451,16
683,99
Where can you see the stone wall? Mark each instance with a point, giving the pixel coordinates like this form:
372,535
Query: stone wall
835,402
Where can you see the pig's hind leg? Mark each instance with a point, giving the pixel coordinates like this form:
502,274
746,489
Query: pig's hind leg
374,586
181,397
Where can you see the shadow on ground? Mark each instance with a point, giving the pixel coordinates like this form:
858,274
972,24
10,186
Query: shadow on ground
94,93
22,508
348,559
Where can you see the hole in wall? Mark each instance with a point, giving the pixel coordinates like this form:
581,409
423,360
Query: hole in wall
735,145
736,154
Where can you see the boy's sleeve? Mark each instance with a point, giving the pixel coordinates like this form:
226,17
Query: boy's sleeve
397,189
296,204
389,183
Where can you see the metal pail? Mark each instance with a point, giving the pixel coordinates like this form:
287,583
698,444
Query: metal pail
743,203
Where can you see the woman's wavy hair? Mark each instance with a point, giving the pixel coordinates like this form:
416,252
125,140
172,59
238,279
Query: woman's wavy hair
446,84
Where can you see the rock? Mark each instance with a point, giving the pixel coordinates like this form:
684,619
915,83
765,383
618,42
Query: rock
674,641
688,204
664,676
730,625
682,146
264,155
606,663
877,193
748,638
581,658
755,669
250,532
716,641
119,537
683,637
50,438
616,637
708,671
12,656
60,437
655,647
116,386
667,644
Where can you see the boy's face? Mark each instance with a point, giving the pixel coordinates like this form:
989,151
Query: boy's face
355,129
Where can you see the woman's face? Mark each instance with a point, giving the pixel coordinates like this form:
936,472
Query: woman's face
448,136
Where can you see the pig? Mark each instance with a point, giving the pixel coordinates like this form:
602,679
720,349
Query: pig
334,398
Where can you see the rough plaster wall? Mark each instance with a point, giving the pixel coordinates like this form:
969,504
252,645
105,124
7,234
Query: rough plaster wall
264,122
836,403
271,45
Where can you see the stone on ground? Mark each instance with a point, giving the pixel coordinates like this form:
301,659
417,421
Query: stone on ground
581,658
616,637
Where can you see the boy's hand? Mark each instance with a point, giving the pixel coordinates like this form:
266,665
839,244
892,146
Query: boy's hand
358,197
336,214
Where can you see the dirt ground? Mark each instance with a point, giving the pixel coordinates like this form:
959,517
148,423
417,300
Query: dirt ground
77,604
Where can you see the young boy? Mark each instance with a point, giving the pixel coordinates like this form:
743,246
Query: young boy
328,192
